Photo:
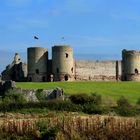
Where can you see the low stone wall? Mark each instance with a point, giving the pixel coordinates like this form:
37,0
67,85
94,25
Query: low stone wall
30,94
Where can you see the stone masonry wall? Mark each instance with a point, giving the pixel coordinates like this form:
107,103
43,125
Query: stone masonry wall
98,70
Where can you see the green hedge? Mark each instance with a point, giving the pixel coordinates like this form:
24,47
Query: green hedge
86,99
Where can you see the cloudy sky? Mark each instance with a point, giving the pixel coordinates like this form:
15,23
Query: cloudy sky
96,29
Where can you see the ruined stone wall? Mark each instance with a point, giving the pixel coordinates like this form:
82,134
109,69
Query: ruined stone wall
30,95
16,71
98,70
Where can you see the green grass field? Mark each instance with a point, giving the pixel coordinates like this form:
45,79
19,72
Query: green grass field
109,90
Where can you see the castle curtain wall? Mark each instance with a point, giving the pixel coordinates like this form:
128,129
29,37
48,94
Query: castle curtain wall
98,70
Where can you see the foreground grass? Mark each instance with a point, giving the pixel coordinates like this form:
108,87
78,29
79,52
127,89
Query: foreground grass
110,91
69,127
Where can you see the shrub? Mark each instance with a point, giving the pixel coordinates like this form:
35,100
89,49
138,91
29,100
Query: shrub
12,96
85,99
79,98
127,111
97,99
124,108
123,102
138,101
40,95
63,105
42,125
57,105
51,133
46,131
92,109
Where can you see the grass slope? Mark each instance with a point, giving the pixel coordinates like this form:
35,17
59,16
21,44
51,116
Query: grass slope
108,90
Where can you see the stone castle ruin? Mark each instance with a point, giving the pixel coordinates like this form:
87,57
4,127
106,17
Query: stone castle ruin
63,67
16,71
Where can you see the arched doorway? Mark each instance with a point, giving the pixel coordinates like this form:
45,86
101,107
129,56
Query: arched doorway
136,71
66,77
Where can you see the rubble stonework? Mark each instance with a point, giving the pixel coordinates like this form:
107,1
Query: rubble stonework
49,94
30,95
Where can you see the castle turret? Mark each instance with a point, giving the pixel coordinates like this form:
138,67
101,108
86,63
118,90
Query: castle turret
63,63
17,59
37,64
131,65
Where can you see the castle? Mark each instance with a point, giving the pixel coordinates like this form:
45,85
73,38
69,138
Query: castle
63,67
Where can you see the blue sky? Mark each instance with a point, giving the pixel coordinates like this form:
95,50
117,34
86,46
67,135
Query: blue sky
96,29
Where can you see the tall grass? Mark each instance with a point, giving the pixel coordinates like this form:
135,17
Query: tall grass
79,128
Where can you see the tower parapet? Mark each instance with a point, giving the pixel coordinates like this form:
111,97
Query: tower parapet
63,63
131,65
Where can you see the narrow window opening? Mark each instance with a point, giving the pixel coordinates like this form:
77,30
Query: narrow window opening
57,70
67,55
136,71
66,78
72,69
37,71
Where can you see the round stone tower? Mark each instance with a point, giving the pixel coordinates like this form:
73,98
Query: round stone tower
63,63
131,65
37,64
